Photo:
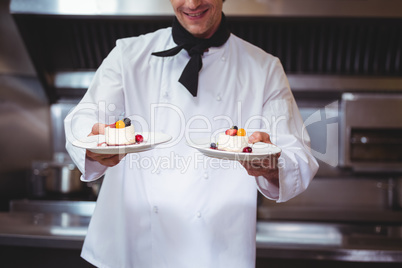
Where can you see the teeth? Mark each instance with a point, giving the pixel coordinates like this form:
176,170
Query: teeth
195,15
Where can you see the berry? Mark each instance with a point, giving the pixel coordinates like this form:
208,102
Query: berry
231,132
241,132
213,146
139,138
235,127
120,124
127,121
247,150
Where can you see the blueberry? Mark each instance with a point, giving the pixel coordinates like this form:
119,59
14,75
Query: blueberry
127,121
235,127
213,145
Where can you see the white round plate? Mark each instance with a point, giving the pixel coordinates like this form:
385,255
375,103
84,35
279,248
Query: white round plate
150,139
260,150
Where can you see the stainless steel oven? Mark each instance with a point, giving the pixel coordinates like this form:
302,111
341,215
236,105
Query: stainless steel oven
371,136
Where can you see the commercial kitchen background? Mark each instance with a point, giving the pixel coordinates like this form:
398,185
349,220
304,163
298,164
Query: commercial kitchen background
344,61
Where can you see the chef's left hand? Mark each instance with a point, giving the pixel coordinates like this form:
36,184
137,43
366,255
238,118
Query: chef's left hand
267,167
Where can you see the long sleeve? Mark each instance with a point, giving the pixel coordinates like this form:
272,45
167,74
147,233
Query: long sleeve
102,102
297,166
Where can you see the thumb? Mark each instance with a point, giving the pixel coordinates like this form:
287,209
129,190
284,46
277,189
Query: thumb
259,137
97,129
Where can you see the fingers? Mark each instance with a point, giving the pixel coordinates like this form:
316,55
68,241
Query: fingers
108,160
253,169
112,160
266,163
259,137
269,172
260,167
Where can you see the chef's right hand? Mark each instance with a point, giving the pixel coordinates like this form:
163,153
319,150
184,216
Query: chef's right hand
108,160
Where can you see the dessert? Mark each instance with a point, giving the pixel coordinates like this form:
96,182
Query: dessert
233,140
121,133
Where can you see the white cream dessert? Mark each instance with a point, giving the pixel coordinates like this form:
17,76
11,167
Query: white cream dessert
233,140
120,133
232,143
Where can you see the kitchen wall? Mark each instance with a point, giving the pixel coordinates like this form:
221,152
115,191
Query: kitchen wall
24,112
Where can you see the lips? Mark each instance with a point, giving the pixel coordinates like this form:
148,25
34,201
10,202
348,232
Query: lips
194,15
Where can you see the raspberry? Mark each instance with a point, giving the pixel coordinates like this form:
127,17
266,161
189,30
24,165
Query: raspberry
139,138
231,132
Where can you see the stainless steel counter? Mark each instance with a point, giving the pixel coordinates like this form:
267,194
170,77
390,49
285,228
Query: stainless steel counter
57,224
329,241
275,239
51,230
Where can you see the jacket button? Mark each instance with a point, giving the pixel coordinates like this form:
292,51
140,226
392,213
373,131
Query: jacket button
155,209
198,214
205,175
218,98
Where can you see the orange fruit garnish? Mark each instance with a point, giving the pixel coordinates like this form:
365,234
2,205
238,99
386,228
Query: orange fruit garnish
120,124
241,132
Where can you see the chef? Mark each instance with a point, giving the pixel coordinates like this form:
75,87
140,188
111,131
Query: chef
172,206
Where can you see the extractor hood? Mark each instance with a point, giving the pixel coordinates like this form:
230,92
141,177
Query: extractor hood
338,8
323,44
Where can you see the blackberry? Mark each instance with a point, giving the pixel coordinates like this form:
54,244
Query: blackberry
127,121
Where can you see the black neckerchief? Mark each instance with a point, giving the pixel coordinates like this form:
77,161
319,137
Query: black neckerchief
195,48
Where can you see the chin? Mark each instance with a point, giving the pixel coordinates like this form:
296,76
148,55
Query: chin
197,32
200,35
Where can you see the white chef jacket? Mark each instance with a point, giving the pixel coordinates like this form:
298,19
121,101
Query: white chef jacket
172,206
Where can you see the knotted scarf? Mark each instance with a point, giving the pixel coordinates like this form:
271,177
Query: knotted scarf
195,48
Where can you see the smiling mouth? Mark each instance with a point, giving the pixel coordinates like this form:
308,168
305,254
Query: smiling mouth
195,14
